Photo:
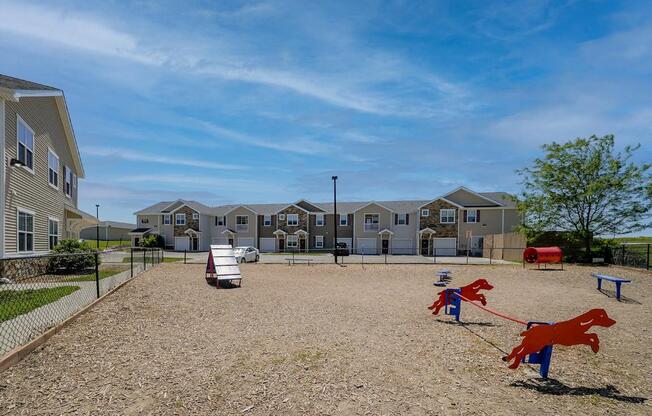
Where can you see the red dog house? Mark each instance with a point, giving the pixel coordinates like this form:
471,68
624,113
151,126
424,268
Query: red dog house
543,255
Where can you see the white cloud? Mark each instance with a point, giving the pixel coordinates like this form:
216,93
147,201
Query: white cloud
131,155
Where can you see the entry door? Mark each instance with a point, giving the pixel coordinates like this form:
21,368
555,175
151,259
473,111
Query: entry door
477,244
385,247
231,242
281,244
195,244
302,244
424,247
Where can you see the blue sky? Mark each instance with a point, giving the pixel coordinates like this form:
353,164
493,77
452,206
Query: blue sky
262,101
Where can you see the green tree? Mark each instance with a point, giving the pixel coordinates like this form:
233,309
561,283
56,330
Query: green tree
586,187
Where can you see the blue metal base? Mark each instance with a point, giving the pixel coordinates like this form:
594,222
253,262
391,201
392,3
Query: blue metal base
542,357
453,303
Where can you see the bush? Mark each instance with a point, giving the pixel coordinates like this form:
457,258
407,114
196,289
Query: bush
152,241
72,256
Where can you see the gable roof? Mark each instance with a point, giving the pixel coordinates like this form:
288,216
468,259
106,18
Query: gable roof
492,202
13,89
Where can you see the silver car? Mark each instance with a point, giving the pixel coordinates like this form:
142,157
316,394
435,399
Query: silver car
246,254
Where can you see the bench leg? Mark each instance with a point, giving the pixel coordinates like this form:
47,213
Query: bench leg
599,284
618,290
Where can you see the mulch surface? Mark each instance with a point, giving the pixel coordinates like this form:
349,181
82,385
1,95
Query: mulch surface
325,339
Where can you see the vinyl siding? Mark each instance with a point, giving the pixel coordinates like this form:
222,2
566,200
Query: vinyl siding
251,232
385,221
31,191
464,198
327,230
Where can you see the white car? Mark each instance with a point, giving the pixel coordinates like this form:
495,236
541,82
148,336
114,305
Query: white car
246,254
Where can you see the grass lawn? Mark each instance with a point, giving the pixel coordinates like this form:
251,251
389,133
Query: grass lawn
106,244
640,240
90,277
138,258
17,302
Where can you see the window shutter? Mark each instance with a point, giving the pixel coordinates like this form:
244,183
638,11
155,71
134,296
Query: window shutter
407,219
464,215
395,219
477,216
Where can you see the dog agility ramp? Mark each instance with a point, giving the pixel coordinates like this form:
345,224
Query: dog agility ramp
222,265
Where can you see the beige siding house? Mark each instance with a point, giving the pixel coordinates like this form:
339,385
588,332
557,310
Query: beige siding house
445,226
42,166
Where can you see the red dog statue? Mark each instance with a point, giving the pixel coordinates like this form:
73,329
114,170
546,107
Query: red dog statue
571,332
470,292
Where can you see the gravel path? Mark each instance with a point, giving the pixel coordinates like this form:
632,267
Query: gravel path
335,340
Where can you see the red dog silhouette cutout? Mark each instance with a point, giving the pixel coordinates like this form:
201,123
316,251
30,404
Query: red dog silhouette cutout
571,332
469,291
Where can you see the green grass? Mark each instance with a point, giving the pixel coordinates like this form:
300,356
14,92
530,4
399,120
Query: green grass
90,277
106,244
138,258
14,303
640,240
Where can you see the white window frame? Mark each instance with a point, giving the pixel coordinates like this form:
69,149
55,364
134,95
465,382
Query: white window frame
442,217
167,219
267,220
374,226
346,220
425,212
320,220
181,216
67,185
220,221
398,222
19,231
195,216
475,216
19,120
281,217
241,226
292,241
291,220
55,171
50,234
319,241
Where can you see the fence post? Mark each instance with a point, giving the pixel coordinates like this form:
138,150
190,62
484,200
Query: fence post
647,266
97,273
132,261
144,259
491,253
622,261
385,258
184,256
162,256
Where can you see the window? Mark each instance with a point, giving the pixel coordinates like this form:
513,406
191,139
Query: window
53,232
180,219
293,241
472,215
68,178
144,220
53,169
25,144
221,220
293,219
25,231
319,220
167,219
267,220
425,212
344,220
447,216
319,241
281,217
242,223
195,216
401,219
371,222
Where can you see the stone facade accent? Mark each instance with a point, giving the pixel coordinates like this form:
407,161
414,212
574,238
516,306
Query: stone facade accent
432,220
24,268
303,220
180,230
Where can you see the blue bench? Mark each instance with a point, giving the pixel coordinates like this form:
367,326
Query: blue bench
617,280
444,277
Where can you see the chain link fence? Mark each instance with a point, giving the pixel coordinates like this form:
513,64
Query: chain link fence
39,292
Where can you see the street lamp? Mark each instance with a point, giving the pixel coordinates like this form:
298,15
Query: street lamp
97,227
335,219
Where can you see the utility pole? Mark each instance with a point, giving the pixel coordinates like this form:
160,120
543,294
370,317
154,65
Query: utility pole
335,219
97,227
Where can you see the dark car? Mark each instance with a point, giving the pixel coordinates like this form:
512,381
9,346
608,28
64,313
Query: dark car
341,249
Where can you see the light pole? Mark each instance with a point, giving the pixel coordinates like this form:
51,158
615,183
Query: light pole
97,227
335,219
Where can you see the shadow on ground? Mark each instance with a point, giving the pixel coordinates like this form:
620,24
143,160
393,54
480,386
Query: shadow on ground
557,388
624,299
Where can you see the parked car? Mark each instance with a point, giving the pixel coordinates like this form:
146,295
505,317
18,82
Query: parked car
246,254
341,249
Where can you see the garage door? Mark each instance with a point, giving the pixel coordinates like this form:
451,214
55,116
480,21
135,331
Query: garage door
245,241
181,243
267,245
445,246
366,246
402,246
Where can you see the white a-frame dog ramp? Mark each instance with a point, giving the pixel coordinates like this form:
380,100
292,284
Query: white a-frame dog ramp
222,266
